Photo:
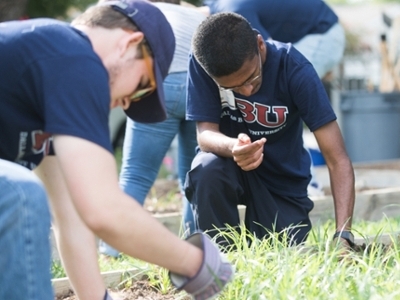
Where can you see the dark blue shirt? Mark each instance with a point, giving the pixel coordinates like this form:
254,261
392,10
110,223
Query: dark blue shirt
51,82
291,93
283,20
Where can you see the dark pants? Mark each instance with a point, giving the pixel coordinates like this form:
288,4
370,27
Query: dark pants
216,185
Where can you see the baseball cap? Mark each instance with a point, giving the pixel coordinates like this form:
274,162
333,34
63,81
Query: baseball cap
158,33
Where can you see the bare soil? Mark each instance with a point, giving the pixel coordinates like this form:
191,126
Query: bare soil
140,290
164,197
381,165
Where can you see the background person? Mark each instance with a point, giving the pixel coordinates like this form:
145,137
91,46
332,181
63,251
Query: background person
250,98
57,85
152,141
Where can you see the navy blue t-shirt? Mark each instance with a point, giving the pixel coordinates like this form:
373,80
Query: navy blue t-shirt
51,82
291,92
283,20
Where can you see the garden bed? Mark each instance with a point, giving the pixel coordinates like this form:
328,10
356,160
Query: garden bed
378,194
140,288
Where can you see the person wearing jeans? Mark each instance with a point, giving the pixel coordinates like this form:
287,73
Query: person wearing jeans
162,135
152,141
145,145
24,242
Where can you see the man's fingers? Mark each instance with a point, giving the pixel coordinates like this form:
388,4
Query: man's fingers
243,139
245,166
248,156
250,162
248,149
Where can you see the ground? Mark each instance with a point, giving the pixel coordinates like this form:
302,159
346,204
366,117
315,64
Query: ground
140,290
165,197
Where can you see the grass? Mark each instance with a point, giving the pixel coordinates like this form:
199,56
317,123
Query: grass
268,269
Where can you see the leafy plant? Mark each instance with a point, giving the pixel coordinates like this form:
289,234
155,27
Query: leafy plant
57,269
158,278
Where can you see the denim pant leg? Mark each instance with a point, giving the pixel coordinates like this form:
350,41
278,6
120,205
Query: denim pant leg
145,146
324,51
24,235
186,153
138,174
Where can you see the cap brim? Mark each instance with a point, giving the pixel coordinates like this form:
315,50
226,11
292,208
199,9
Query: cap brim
150,109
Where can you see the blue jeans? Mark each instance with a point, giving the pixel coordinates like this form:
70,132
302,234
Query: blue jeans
145,146
324,51
24,235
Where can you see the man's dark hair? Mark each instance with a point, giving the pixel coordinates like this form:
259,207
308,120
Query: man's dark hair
223,42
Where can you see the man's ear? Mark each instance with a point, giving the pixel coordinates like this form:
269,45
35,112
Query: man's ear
129,40
261,47
260,41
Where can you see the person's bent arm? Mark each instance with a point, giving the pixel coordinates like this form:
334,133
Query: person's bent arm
210,139
341,173
247,154
75,242
90,173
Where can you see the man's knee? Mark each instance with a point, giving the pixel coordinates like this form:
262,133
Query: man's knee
208,167
23,195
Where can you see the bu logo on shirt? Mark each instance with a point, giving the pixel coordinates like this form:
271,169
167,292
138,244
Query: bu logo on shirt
40,142
265,115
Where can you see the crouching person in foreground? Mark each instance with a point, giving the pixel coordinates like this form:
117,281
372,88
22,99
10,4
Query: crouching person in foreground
58,83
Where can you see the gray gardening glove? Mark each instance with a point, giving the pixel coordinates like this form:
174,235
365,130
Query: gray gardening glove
107,296
215,271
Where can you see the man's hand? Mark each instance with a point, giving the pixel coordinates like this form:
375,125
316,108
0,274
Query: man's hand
344,240
214,274
342,244
248,155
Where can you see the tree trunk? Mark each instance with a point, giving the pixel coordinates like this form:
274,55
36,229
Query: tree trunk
12,9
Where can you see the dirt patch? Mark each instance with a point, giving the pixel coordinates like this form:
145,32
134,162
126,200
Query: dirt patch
372,248
368,176
140,290
164,197
381,165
